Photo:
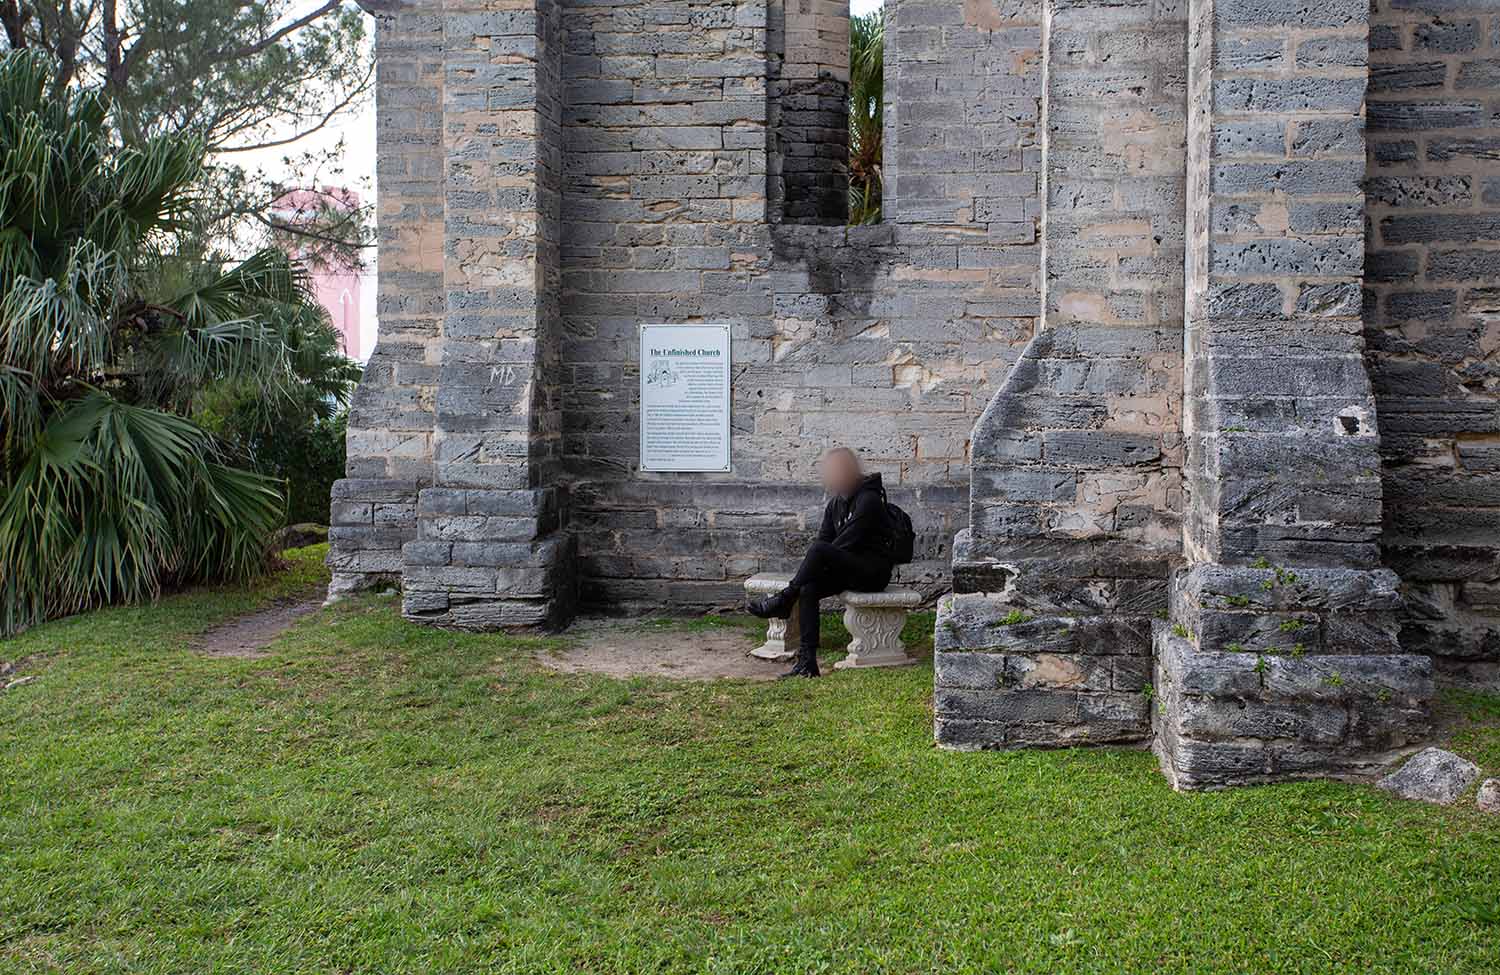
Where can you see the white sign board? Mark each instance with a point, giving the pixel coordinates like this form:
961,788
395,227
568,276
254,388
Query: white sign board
685,397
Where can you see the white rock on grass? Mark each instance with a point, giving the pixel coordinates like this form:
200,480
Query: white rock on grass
1488,799
1432,775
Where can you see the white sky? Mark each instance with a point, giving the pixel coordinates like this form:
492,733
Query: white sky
356,126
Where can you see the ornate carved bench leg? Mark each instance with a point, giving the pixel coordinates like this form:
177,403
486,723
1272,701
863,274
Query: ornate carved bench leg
775,647
877,637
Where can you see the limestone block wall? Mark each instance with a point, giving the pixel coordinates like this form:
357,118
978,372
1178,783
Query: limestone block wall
391,419
1281,659
808,105
487,550
888,339
1076,486
1078,193
963,104
1282,435
1432,318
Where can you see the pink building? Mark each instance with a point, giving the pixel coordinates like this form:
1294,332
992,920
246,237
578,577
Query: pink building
338,289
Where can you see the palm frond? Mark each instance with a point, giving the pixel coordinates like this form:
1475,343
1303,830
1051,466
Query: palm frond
112,493
866,114
266,276
116,501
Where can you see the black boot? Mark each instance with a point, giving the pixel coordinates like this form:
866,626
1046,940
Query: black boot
777,607
806,664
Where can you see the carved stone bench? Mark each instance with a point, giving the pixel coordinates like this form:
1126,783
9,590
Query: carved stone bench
875,619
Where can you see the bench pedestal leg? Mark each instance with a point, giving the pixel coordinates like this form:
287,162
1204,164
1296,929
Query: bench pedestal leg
775,647
877,637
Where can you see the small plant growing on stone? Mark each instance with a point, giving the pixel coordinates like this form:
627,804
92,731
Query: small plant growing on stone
1262,668
1237,601
1298,650
1384,697
1148,692
1160,614
1261,563
1334,679
1292,626
1178,630
1236,648
1013,617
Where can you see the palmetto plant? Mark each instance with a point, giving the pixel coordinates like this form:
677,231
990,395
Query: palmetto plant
866,100
107,336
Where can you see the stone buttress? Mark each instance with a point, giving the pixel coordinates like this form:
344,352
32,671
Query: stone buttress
1281,658
1076,483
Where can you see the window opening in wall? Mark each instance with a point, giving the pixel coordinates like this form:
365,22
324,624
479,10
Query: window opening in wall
866,109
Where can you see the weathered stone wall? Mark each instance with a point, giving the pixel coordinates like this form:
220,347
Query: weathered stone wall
808,110
963,102
391,420
1432,318
1281,659
1281,437
1076,485
665,220
888,339
1108,346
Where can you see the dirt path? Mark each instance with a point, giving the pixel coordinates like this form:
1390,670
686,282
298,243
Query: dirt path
248,636
625,648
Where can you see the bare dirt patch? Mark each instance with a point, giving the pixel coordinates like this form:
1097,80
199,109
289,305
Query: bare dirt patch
679,650
249,636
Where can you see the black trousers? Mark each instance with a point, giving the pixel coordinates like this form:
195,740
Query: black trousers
827,571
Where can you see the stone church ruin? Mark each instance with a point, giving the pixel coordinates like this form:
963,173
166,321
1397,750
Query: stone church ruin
1179,338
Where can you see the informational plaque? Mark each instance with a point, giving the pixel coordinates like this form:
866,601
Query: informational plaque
685,397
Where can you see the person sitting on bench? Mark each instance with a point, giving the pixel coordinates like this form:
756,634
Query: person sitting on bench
853,552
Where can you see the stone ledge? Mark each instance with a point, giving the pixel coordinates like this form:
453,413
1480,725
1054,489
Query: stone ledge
1278,610
885,599
981,622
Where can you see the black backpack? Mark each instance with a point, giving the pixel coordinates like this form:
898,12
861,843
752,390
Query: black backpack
903,535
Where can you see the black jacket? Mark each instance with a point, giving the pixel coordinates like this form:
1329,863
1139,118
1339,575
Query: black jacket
859,523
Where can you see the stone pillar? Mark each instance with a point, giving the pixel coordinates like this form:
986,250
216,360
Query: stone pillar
489,551
1076,478
809,110
1281,659
391,416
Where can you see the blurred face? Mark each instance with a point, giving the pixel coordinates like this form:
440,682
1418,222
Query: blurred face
841,472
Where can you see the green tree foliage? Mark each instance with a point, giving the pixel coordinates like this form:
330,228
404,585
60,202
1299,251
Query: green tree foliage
110,338
297,438
866,115
238,75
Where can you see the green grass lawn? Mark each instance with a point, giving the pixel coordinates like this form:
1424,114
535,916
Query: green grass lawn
380,797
